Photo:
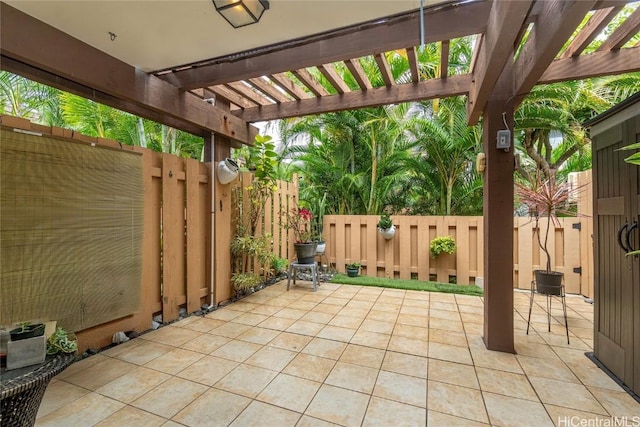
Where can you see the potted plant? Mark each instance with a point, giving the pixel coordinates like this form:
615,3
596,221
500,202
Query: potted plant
299,221
442,244
353,269
26,330
386,227
61,342
545,199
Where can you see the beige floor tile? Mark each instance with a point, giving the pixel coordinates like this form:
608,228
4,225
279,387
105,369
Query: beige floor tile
411,331
562,416
449,353
327,308
455,400
290,313
171,336
511,412
505,383
114,350
267,310
382,412
448,337
362,301
273,358
592,376
572,356
208,370
408,345
346,321
100,374
174,361
336,301
495,360
413,320
325,348
532,349
201,324
170,397
389,308
350,411
383,316
290,392
305,328
382,327
258,335
130,416
236,350
453,373
144,352
205,343
277,323
448,325
407,364
86,363
547,368
371,339
317,317
214,407
336,333
388,299
246,380
401,388
438,419
561,393
89,409
467,317
352,377
440,305
311,367
244,305
230,330
360,313
617,403
59,394
363,356
303,305
444,314
262,414
422,304
250,319
471,309
132,385
290,341
225,314
307,421
417,295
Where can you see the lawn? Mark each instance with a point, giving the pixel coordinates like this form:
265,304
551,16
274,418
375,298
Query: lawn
414,285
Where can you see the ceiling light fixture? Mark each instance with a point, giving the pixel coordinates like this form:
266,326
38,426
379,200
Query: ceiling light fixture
239,13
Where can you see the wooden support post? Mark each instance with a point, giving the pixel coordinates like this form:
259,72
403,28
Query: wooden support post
498,220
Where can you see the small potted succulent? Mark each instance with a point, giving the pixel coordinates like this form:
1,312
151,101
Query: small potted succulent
386,227
26,330
353,269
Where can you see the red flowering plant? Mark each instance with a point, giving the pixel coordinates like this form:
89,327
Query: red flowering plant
299,221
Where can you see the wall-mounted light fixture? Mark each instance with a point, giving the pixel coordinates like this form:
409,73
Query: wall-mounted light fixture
239,13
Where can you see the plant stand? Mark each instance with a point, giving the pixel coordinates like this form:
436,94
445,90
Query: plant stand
294,266
549,292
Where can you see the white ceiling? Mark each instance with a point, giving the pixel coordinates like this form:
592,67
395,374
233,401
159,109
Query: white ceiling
158,34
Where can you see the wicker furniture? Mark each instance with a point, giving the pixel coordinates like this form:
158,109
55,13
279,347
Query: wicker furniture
21,390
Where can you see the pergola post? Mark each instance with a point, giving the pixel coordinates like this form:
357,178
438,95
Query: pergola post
498,219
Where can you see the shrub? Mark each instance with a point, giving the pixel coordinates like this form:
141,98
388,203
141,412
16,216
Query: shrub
279,264
442,244
245,281
353,265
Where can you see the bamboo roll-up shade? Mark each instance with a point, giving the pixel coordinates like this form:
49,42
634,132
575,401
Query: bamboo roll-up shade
70,231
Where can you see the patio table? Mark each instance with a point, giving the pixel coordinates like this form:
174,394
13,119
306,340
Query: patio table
21,390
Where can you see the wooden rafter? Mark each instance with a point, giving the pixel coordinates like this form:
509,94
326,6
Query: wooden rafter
397,33
232,96
276,94
289,86
245,91
595,64
444,58
358,73
412,57
41,46
309,81
336,81
623,33
555,24
385,70
506,19
477,47
434,88
592,28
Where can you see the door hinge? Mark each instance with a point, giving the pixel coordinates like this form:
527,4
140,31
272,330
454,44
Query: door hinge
577,226
577,270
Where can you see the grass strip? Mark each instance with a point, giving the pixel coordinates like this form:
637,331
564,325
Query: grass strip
414,285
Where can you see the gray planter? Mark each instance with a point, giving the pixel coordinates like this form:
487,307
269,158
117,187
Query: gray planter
306,252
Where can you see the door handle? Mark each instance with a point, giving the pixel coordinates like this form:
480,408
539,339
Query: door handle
620,231
629,231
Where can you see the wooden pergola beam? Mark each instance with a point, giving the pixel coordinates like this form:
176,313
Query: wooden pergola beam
444,58
289,86
309,81
593,65
247,92
590,31
497,47
555,24
278,95
43,47
231,96
358,73
412,57
329,72
623,33
434,88
396,33
385,70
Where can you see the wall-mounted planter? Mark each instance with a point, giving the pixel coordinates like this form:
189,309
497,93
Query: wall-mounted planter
388,233
227,171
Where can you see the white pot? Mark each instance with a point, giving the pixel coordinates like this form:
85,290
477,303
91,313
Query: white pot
227,171
388,233
322,246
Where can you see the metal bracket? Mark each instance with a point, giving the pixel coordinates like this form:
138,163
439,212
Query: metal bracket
577,270
577,226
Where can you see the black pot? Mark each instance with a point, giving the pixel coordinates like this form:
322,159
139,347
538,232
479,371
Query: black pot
549,282
353,271
306,252
31,331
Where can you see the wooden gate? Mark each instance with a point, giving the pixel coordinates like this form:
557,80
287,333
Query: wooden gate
617,277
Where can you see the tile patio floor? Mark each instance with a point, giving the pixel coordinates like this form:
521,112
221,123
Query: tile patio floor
344,355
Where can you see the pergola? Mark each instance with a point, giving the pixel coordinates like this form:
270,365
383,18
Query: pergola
180,64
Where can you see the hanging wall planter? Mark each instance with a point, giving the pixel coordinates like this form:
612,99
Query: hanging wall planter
227,171
386,227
